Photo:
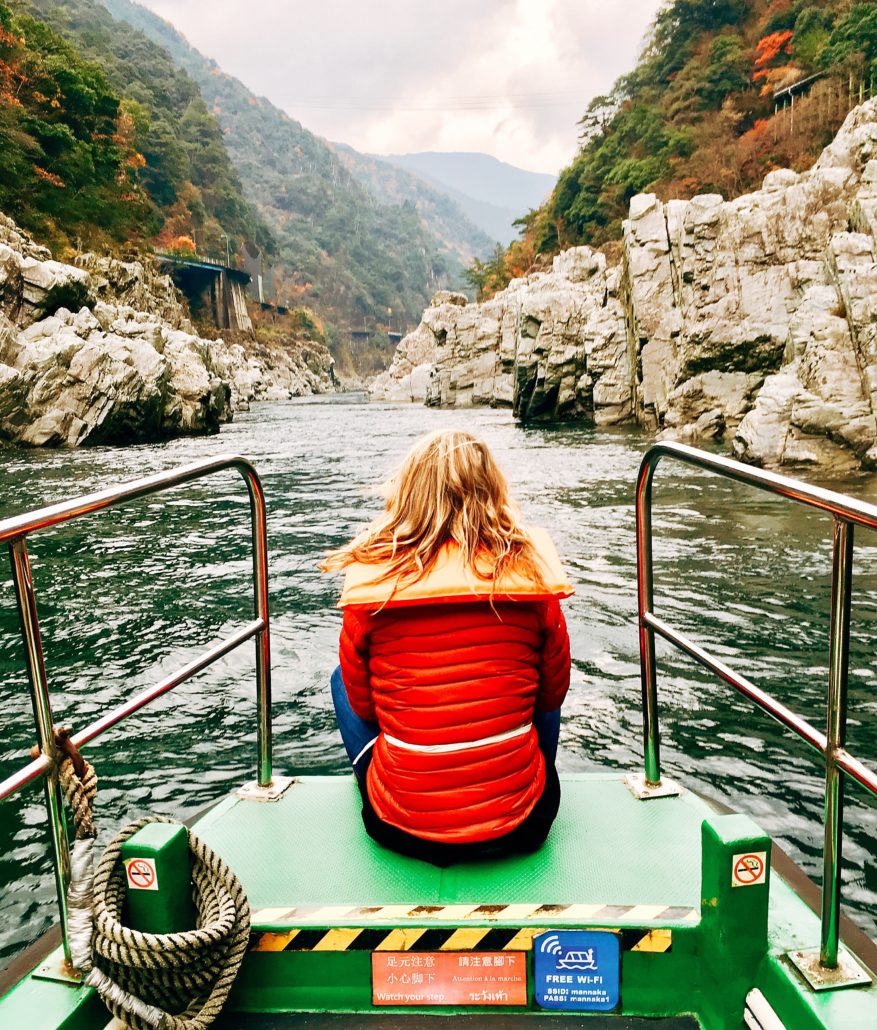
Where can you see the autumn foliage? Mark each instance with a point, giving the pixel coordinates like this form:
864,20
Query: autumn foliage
68,156
182,245
104,141
770,50
697,115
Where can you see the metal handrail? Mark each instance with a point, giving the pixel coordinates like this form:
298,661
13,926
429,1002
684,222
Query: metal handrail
839,762
14,532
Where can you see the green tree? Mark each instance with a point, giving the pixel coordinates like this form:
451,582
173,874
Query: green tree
853,41
167,162
727,71
811,29
677,27
487,277
68,164
637,147
186,171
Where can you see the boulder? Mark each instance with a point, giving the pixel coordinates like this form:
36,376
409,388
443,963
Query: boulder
408,376
103,352
77,382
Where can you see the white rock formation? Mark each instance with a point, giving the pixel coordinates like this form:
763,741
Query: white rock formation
551,345
107,377
103,352
273,372
752,320
135,284
408,377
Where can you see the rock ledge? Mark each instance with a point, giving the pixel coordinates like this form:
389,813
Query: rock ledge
752,320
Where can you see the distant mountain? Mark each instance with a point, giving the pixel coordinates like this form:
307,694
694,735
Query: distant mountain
340,249
444,215
495,221
492,193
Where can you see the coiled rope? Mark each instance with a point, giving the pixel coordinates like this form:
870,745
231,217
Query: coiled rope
176,981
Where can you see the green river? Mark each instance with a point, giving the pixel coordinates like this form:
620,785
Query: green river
129,595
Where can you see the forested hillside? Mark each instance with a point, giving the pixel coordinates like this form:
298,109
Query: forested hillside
459,236
341,250
700,114
102,140
110,135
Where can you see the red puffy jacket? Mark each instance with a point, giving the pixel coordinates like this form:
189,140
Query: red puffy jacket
435,664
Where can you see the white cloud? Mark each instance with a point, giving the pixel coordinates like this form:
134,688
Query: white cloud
505,77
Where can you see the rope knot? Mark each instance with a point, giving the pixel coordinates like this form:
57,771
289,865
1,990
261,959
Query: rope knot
78,781
67,748
64,748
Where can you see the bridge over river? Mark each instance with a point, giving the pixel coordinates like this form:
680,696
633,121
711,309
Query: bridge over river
215,291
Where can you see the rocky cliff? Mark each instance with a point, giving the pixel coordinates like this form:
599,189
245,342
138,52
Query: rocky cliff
102,351
752,320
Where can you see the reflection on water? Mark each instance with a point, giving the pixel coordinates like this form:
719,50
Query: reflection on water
131,594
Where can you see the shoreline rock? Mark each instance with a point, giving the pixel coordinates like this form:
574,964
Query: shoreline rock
751,321
103,352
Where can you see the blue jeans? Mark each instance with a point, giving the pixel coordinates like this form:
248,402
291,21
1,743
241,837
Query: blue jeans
358,734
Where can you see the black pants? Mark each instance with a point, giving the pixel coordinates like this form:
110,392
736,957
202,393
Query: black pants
523,839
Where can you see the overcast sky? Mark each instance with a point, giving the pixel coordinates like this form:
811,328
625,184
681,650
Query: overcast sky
505,77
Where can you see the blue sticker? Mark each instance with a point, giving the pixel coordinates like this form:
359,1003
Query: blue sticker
577,970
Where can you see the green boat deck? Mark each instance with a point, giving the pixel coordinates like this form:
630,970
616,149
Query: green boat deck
309,851
325,898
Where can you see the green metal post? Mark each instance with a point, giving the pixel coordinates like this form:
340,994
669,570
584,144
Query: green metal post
735,882
156,860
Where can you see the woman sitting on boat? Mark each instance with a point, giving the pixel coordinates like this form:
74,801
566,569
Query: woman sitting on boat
454,661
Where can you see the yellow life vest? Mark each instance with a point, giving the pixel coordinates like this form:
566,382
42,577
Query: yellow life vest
450,579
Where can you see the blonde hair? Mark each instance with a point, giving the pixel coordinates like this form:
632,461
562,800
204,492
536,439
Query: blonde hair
448,489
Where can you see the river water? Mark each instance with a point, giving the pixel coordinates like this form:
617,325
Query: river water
129,595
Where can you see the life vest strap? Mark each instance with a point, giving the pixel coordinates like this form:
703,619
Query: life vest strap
460,745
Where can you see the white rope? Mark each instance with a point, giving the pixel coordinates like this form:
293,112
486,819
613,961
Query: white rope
175,981
187,976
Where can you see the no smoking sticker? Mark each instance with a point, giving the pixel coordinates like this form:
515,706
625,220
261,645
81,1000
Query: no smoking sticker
748,869
141,874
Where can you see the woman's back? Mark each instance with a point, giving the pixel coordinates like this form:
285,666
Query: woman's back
453,643
453,687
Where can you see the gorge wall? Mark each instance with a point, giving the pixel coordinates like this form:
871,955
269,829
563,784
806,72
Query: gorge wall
102,351
753,321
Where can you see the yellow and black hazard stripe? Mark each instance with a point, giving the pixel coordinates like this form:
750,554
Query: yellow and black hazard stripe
328,915
415,938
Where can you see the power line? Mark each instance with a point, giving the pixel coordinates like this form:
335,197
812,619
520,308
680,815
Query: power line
439,107
461,96
458,103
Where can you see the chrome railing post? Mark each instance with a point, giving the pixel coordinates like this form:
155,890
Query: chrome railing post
263,637
13,532
829,968
645,595
839,644
42,711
